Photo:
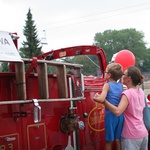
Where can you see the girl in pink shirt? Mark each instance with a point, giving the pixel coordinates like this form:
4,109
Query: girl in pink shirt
134,133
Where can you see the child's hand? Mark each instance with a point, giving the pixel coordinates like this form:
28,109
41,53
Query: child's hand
96,96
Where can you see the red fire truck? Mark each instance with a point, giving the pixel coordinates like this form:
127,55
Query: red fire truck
46,103
40,110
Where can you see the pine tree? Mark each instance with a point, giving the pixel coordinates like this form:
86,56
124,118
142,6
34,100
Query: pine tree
31,47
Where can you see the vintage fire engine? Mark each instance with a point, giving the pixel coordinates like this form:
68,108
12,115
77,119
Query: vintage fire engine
50,111
46,103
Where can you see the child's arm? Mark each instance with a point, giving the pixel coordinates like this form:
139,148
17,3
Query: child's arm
101,97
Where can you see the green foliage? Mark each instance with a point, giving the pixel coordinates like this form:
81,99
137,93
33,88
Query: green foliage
90,64
31,47
146,61
112,41
4,67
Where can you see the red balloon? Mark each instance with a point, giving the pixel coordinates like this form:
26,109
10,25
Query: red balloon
126,58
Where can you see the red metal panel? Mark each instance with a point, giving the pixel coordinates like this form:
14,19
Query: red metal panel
10,141
36,134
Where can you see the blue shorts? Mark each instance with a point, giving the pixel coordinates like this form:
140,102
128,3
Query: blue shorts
113,126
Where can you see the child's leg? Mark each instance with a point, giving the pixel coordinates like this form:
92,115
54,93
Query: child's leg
117,144
118,132
108,145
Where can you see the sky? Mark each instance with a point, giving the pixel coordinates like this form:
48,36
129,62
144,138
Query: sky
66,23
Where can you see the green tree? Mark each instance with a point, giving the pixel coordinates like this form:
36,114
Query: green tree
112,41
89,62
4,67
31,46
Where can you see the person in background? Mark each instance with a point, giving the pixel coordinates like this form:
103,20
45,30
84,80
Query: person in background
112,91
134,133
